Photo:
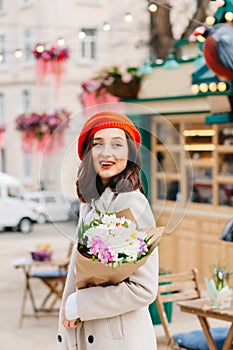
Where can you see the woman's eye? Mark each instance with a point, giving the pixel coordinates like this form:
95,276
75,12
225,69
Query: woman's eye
117,145
98,144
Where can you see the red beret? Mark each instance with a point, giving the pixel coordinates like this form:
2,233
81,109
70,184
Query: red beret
105,120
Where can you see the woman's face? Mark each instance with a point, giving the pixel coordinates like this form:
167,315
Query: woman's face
109,153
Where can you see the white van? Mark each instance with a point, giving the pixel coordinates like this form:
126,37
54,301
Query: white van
15,211
51,205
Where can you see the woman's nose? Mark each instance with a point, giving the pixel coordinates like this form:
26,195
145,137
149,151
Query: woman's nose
106,150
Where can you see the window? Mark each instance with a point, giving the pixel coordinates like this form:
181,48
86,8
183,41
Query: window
25,3
88,44
1,108
2,160
28,45
26,100
27,165
2,5
2,49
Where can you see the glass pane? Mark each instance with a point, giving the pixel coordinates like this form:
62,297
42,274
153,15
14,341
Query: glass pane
226,135
168,134
200,186
225,194
225,164
168,162
168,189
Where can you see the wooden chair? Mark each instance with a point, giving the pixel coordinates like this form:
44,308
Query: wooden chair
172,288
178,287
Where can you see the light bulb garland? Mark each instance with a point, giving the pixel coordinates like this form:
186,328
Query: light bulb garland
213,87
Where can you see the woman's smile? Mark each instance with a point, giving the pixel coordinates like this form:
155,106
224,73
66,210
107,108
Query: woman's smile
109,153
106,164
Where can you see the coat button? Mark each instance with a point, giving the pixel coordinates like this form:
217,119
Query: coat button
90,339
59,338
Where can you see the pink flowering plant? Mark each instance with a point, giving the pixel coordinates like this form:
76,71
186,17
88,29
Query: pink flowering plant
112,75
37,128
112,241
108,77
53,53
40,124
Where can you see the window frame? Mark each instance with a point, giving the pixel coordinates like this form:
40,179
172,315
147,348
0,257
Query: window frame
3,49
88,44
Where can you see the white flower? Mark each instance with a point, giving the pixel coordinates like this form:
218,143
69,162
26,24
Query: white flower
118,237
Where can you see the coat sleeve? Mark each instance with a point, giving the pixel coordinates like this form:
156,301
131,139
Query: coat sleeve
139,290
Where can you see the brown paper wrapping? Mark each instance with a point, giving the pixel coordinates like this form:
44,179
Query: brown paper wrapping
97,274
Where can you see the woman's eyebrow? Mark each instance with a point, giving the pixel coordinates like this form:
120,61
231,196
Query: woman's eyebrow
113,138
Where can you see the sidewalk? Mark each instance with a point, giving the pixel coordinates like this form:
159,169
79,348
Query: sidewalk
42,333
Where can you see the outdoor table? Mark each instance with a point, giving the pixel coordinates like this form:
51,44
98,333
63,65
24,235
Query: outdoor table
52,273
202,309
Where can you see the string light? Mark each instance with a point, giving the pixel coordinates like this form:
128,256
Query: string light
152,7
18,53
159,61
195,88
203,87
210,20
40,48
229,16
82,35
222,86
213,87
220,3
61,42
201,38
106,26
128,17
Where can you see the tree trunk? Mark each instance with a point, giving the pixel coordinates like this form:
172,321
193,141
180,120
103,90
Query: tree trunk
161,34
199,17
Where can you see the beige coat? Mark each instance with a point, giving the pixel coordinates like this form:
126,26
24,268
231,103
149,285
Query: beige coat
115,317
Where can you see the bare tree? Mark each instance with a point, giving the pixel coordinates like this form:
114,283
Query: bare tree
163,23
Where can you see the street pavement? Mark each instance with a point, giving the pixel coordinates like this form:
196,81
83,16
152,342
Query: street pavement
41,333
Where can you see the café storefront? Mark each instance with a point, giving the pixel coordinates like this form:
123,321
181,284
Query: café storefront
189,166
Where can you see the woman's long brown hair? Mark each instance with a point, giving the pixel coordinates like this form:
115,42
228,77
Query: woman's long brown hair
89,184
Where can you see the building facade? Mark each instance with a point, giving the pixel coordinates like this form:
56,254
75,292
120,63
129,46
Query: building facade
98,33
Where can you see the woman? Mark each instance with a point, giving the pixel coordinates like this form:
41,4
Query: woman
114,317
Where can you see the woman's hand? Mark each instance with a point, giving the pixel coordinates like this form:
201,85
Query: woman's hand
70,323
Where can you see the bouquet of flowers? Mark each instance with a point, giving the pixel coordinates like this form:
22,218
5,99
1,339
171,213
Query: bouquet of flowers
111,248
218,291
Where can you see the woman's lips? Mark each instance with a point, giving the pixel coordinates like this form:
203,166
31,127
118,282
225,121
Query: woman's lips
106,164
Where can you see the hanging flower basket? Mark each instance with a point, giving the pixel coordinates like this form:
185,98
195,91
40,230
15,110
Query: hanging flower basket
124,90
43,132
113,81
50,61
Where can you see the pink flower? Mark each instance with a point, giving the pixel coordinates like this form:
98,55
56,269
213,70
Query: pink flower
126,77
100,250
105,256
